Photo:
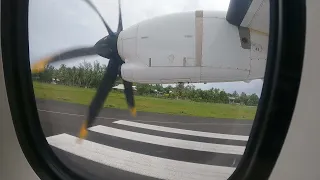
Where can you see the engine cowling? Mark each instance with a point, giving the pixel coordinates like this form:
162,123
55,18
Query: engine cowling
191,47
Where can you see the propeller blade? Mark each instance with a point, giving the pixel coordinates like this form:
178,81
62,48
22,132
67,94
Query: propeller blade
120,28
128,91
102,92
96,10
87,51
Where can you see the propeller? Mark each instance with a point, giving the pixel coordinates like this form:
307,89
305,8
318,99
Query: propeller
107,48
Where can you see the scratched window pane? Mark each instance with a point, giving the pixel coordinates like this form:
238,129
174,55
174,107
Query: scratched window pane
169,91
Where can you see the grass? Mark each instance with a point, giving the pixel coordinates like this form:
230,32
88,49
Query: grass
146,104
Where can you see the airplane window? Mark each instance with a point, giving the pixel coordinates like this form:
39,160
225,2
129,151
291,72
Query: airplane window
148,89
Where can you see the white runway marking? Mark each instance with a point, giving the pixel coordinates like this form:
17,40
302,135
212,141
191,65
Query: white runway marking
183,131
71,114
164,141
139,163
161,122
193,124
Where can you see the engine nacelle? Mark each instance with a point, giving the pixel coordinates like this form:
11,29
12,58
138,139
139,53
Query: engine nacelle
191,47
135,72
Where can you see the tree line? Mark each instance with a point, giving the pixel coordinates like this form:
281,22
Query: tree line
189,92
89,75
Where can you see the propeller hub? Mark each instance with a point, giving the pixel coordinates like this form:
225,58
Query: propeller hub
108,46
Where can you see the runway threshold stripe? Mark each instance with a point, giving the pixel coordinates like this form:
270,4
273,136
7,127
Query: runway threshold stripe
139,163
94,171
166,152
164,141
183,131
178,136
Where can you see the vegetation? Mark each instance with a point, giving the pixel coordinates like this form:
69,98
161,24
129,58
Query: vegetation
89,76
190,93
144,103
78,85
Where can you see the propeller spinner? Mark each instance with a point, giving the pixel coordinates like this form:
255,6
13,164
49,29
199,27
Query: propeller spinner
107,48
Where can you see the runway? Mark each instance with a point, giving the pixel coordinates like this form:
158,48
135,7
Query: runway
150,146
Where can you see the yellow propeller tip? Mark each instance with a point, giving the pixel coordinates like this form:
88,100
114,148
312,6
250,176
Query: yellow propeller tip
83,132
40,65
133,111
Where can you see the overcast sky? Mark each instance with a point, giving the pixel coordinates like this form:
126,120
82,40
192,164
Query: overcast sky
55,25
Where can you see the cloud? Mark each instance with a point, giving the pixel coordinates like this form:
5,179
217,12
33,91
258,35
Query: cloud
55,25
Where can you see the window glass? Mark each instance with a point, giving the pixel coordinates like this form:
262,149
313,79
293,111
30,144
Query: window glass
196,71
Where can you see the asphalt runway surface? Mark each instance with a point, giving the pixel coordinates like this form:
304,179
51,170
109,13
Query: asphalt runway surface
150,146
